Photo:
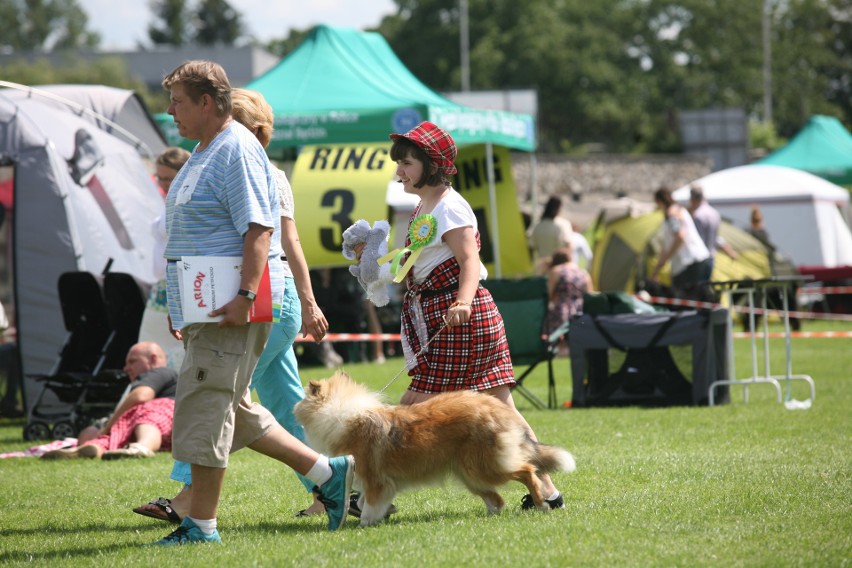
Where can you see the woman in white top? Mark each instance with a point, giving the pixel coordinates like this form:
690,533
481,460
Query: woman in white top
682,244
552,232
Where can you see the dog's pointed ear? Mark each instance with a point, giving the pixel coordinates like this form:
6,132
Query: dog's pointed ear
314,388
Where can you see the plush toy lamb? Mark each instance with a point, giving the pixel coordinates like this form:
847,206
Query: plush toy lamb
374,279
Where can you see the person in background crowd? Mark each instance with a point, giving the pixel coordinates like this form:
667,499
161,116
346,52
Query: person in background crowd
10,367
707,221
581,252
681,244
566,284
141,423
552,231
756,227
773,295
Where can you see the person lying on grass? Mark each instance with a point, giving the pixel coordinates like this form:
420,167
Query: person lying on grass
142,421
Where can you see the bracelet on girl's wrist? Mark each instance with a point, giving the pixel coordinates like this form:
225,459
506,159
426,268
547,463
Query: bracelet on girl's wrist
458,303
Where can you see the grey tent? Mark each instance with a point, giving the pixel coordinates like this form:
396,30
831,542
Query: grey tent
81,198
111,109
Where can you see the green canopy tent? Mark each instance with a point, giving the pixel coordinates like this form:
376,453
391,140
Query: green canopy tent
822,147
342,85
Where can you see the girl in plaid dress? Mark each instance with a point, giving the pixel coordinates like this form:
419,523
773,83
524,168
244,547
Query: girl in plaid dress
444,299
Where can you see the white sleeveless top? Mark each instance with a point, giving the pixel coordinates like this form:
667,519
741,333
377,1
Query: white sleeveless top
693,249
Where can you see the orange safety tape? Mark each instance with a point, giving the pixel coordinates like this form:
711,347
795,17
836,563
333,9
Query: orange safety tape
825,290
342,337
796,334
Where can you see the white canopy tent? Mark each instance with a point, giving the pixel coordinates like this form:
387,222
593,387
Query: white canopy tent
805,216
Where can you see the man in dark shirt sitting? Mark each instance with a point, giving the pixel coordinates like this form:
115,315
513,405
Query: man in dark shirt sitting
142,421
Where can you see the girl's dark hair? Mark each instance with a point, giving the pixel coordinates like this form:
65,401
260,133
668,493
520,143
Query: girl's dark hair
664,196
552,208
561,256
432,175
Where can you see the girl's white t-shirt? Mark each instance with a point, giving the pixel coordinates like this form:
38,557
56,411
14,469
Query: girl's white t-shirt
452,212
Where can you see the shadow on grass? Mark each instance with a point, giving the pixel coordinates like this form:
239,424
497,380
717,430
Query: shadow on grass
402,518
19,439
58,555
262,529
66,553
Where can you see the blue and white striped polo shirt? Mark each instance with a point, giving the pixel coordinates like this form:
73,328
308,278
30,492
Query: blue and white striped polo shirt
212,200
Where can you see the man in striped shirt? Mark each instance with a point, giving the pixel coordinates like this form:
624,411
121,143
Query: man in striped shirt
223,202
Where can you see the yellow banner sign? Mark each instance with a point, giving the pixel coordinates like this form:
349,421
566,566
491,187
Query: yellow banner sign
335,185
472,182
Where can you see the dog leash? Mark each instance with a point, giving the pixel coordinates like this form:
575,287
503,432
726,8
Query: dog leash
414,358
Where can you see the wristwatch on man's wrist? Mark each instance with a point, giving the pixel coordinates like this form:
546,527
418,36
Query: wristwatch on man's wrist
247,293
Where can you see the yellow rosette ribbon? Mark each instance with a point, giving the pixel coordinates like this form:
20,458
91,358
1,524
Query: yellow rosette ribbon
421,232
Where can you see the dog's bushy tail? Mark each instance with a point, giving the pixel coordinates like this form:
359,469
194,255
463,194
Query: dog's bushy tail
550,458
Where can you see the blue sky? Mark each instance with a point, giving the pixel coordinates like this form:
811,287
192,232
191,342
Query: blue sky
123,23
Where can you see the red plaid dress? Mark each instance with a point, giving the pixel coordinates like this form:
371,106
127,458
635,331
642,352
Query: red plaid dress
472,356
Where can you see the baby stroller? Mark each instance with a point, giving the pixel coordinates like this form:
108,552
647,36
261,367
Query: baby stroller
87,381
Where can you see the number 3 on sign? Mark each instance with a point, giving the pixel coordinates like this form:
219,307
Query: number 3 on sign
341,203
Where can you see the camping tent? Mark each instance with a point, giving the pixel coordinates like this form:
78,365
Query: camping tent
81,197
822,147
117,111
625,249
805,216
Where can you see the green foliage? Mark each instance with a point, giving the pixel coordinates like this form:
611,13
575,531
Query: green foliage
764,137
172,27
218,23
743,484
611,74
44,25
616,72
283,47
815,77
110,71
209,22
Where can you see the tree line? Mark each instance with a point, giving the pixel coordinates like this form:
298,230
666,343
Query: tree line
609,73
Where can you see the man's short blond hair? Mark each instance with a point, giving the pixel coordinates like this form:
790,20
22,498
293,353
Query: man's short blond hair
200,77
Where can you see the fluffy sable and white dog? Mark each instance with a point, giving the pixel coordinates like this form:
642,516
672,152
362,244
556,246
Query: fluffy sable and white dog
469,435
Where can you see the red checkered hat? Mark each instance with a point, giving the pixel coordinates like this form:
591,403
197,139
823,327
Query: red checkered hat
436,141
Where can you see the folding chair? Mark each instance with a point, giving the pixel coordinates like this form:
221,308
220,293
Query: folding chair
523,305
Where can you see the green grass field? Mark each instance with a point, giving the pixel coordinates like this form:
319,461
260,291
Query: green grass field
735,485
